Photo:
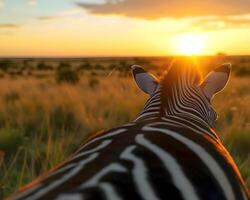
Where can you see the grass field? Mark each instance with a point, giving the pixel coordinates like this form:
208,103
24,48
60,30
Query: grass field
43,120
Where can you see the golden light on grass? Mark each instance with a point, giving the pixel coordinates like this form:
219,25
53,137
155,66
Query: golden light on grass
190,44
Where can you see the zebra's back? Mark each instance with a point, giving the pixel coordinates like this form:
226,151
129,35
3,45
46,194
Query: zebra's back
146,160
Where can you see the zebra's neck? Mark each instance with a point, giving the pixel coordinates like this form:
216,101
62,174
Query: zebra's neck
154,109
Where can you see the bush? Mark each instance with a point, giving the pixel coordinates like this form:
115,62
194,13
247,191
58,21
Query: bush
242,70
10,139
66,74
112,66
6,64
43,66
11,97
85,66
93,83
93,73
99,66
1,75
124,68
238,141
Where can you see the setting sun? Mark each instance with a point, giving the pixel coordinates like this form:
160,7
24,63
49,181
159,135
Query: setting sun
190,45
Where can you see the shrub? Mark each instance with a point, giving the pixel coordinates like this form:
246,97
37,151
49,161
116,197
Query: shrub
10,139
1,75
242,70
85,66
26,64
11,97
66,74
93,73
112,66
93,83
99,66
238,141
6,64
43,66
124,68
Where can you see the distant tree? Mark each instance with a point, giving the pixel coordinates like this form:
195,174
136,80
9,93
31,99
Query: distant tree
242,69
141,61
27,64
43,66
65,73
112,66
124,68
6,64
85,66
244,60
221,54
99,66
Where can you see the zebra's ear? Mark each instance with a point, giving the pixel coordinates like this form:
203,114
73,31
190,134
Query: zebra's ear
216,80
145,81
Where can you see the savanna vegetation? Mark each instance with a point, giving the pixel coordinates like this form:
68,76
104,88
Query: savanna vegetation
49,107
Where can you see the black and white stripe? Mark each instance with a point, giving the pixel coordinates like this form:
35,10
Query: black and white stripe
152,107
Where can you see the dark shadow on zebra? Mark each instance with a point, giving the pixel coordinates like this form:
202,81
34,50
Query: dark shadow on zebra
170,151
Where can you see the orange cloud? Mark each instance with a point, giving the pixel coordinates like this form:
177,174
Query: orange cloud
152,9
223,22
9,25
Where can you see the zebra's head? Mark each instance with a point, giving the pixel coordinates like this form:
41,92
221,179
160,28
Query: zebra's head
183,90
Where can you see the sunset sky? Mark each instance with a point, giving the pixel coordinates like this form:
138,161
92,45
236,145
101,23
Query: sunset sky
123,27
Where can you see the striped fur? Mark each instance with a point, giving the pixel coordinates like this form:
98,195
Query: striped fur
170,151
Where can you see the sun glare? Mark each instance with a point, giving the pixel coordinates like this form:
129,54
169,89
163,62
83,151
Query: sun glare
190,45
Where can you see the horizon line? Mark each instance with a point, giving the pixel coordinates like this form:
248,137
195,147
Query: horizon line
122,56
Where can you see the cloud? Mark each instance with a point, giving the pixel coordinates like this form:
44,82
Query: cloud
46,18
155,9
223,22
70,12
31,2
62,15
9,26
2,3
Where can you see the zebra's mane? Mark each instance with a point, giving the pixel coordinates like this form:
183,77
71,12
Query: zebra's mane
183,74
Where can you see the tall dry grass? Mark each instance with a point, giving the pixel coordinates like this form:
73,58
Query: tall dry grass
233,124
42,122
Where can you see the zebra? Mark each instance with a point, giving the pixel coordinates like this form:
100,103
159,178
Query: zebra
170,151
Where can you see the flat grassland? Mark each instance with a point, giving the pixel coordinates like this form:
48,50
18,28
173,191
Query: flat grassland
49,107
